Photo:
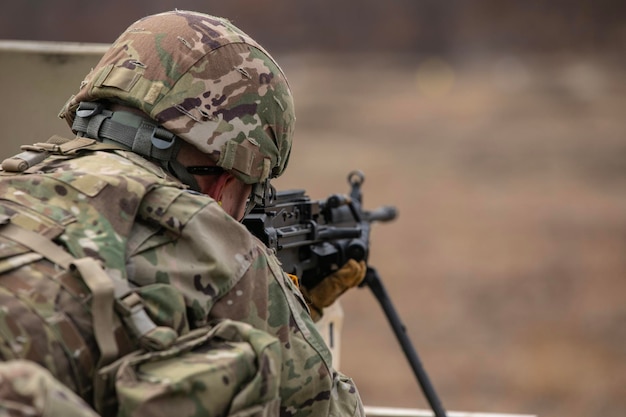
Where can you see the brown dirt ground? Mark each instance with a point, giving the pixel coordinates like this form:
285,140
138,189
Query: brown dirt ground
507,260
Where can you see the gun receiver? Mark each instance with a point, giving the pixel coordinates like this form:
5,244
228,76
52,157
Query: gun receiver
312,239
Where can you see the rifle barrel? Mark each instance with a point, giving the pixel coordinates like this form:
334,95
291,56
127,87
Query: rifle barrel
381,214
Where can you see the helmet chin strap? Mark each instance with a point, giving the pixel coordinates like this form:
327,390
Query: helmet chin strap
258,196
180,172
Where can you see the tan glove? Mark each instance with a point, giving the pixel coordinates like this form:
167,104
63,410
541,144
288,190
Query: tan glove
330,288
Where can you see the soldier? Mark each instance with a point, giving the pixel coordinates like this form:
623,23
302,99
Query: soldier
125,271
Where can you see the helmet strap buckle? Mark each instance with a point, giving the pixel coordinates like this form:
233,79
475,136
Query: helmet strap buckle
87,109
262,193
162,138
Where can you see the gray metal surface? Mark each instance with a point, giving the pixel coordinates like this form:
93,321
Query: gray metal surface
36,78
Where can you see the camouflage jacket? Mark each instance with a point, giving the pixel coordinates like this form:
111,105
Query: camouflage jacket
145,227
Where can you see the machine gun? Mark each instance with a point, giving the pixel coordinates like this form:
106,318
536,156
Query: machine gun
312,239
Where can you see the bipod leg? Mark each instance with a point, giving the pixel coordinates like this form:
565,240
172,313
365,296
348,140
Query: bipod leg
372,279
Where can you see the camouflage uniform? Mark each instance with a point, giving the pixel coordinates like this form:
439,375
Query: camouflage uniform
133,219
30,390
193,265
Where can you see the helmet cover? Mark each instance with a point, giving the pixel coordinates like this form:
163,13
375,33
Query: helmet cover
206,81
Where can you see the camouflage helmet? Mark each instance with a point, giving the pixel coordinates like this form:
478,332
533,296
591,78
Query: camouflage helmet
207,82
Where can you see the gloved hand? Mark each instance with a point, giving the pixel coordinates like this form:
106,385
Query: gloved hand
330,288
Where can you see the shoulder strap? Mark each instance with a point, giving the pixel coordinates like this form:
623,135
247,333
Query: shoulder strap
32,155
106,291
93,275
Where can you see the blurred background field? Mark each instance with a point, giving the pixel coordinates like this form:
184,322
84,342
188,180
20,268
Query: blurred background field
507,260
496,128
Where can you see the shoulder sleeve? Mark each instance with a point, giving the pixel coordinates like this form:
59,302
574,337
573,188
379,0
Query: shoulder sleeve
188,240
225,272
267,298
